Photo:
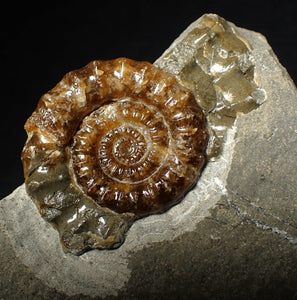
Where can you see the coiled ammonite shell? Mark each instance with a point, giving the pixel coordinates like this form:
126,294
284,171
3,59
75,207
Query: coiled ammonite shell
112,142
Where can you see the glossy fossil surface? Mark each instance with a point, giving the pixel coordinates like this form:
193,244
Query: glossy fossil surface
112,142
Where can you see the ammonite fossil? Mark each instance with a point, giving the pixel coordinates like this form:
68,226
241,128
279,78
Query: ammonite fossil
110,143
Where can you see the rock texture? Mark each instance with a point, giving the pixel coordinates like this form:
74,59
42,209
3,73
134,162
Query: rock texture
233,236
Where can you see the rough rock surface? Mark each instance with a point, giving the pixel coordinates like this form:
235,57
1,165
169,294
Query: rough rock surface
233,236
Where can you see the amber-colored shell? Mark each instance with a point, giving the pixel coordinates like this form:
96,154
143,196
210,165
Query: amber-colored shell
132,138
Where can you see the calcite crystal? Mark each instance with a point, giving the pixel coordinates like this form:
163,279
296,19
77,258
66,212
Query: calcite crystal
214,62
112,142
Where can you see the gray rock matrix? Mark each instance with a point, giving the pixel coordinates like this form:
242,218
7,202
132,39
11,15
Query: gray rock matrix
233,236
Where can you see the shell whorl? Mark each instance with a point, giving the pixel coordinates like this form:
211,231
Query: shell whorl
132,138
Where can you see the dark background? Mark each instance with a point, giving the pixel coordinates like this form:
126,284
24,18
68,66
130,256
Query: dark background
41,42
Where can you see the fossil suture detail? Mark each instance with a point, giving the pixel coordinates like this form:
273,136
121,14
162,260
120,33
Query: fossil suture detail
111,143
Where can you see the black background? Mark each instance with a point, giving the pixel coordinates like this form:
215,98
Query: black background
41,42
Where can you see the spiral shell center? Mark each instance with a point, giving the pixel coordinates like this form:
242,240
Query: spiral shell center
129,150
130,140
